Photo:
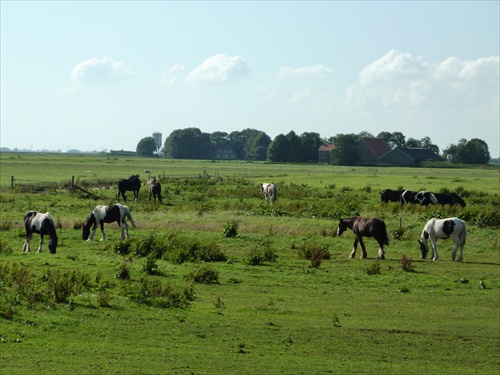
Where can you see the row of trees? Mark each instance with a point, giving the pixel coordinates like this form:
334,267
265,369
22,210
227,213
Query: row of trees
252,144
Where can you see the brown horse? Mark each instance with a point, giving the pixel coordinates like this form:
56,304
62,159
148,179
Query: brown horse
367,227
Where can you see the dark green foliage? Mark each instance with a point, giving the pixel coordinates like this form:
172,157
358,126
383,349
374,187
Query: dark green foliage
157,294
230,229
258,256
150,266
123,272
313,252
205,274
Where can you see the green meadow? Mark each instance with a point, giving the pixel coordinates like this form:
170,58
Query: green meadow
216,281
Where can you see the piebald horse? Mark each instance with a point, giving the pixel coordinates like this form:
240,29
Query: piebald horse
269,191
107,214
42,224
442,229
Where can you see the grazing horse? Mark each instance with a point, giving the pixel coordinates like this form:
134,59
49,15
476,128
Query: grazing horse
42,224
131,184
368,227
442,229
424,198
389,195
269,191
451,199
155,190
107,214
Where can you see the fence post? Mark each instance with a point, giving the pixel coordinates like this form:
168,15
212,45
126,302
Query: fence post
11,183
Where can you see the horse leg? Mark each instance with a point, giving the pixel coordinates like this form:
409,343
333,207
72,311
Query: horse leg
363,254
125,226
354,247
40,244
26,246
381,252
435,254
103,233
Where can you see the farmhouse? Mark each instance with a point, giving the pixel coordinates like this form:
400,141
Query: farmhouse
225,152
371,149
408,156
325,152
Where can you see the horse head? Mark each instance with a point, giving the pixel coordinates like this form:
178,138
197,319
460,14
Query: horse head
89,221
424,249
53,244
341,228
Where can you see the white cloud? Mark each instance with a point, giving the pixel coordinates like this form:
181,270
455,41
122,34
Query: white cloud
100,71
314,70
219,68
172,75
401,79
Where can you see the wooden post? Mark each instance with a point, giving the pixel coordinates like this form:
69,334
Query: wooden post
12,183
72,183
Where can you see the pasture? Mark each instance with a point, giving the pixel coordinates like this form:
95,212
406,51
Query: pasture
214,280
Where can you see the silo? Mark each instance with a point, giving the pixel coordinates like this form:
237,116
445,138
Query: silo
157,138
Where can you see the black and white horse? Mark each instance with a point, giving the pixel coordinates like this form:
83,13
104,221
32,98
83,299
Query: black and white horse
107,214
442,229
155,190
269,191
42,224
451,199
130,184
367,227
389,195
424,198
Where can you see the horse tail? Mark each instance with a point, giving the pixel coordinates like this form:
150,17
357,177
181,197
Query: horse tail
129,216
463,235
385,237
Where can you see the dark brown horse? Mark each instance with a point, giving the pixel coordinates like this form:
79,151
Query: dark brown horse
367,227
389,195
131,184
155,190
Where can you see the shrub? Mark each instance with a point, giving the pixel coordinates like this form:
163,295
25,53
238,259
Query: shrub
258,257
123,247
103,297
61,285
150,265
205,274
313,252
230,229
406,263
373,269
123,272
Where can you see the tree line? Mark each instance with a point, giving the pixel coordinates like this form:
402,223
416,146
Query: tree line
252,144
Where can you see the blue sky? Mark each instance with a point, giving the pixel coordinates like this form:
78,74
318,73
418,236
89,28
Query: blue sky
103,75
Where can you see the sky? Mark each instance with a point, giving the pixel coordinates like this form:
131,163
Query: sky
97,76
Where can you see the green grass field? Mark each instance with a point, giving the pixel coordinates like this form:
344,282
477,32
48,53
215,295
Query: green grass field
198,302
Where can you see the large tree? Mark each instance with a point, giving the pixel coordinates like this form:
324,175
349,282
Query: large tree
278,149
346,150
146,147
257,145
309,144
189,143
474,151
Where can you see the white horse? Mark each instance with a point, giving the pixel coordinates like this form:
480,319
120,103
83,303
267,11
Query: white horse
269,191
107,214
442,229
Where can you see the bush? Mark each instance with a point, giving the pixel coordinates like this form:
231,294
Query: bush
230,229
406,263
123,272
258,257
205,274
374,269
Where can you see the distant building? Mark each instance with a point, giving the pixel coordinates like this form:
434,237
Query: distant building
325,153
157,138
371,149
225,152
408,156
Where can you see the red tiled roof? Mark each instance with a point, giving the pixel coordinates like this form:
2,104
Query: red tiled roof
376,146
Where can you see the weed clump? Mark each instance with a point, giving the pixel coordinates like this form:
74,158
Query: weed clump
258,257
313,252
406,263
204,274
373,269
230,229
